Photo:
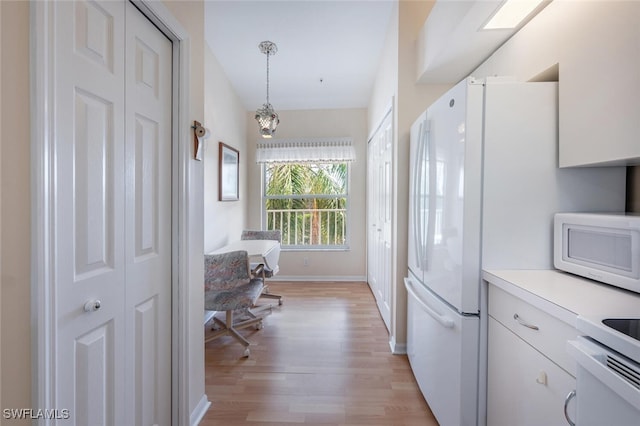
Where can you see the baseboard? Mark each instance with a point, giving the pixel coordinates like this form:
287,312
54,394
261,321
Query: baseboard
321,278
397,348
198,413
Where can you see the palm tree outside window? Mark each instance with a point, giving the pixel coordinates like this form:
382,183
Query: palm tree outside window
308,203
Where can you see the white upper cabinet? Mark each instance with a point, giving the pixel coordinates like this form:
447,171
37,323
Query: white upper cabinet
599,90
592,48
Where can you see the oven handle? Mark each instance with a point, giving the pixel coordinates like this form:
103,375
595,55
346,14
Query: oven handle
568,399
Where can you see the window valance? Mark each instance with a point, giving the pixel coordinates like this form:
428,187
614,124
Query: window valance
306,150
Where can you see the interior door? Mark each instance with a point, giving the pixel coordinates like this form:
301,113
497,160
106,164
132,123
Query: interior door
147,221
372,214
89,212
379,198
112,229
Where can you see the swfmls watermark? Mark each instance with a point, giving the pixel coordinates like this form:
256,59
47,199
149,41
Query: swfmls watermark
35,413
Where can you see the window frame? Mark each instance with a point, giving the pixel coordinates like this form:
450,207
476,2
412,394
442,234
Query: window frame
315,247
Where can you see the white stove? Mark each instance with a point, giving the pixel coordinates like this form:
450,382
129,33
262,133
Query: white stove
608,373
619,334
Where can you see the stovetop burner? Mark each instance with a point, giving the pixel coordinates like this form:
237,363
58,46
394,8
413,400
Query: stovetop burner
627,326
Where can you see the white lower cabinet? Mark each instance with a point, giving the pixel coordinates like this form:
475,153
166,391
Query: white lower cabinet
531,317
525,383
524,386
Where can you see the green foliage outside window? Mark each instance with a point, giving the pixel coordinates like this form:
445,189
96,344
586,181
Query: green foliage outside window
307,202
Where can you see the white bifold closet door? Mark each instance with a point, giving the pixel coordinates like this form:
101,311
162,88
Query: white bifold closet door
379,216
112,220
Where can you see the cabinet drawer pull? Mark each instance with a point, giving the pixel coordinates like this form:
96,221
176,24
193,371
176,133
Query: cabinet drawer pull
531,326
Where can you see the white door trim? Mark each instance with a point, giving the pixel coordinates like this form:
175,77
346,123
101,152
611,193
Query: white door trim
43,197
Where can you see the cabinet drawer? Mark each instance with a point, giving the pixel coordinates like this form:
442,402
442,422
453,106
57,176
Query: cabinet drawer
551,335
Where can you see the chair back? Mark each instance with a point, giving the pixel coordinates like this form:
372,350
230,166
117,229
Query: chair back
226,270
255,234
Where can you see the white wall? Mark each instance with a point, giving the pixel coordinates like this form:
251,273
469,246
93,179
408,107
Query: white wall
322,265
396,79
15,225
557,35
226,118
1,198
413,99
190,14
385,86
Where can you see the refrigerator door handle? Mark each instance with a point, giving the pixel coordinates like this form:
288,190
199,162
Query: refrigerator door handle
430,150
416,201
443,320
417,197
429,156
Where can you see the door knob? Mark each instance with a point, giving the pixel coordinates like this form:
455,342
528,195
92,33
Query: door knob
92,305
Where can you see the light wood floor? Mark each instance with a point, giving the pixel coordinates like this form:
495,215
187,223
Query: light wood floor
322,358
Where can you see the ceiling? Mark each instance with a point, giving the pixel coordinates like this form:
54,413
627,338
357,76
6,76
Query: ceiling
328,51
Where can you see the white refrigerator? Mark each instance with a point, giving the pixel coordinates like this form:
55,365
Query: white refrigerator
484,187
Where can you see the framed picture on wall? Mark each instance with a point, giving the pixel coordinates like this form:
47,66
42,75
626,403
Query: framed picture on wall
228,173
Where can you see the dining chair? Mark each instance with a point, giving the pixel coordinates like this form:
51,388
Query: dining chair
230,287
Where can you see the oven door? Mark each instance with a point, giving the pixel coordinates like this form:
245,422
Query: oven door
607,385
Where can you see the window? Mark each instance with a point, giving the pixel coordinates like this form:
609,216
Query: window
308,202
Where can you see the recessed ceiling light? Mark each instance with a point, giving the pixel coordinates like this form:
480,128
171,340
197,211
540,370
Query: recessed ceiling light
511,13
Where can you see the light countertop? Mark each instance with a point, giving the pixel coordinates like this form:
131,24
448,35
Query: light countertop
564,295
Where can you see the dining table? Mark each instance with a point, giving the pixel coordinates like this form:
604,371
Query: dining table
266,252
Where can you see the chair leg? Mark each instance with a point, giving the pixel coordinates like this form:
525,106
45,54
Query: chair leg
249,322
263,309
254,319
272,296
267,294
234,333
231,329
239,337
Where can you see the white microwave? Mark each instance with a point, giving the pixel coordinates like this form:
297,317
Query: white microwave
602,247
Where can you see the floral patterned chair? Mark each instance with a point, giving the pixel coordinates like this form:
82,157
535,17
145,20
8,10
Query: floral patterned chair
229,286
254,234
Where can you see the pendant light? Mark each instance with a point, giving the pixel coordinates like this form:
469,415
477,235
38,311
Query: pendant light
266,116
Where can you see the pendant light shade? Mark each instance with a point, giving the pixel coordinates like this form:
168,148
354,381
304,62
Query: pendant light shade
266,116
267,119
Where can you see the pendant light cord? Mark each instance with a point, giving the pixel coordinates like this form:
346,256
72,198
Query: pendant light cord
268,54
